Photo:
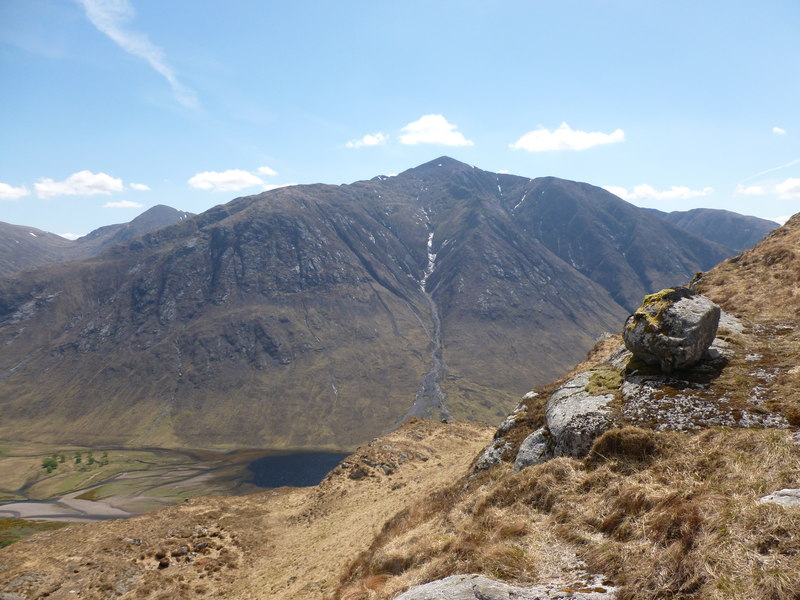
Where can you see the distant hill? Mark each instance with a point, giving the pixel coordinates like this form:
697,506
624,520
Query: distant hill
26,247
722,226
320,315
150,220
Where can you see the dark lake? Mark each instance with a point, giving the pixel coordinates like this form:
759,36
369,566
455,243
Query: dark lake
299,469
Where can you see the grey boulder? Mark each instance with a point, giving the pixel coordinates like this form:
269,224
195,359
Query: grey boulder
672,328
575,417
478,587
534,449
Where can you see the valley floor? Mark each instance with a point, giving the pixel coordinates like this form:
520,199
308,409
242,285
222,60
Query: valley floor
284,543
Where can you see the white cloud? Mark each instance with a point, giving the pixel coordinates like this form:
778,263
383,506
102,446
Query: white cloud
565,138
71,236
225,181
648,192
123,204
750,190
267,171
110,17
8,192
780,220
270,186
789,189
371,139
140,187
82,183
433,129
617,191
778,130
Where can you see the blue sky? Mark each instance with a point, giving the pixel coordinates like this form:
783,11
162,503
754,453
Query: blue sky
112,106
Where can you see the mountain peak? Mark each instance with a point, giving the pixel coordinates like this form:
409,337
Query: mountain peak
444,165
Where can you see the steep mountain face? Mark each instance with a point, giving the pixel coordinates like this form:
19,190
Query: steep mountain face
319,316
26,247
722,226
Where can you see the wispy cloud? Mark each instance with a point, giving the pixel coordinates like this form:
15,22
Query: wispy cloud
780,220
123,204
110,17
370,139
791,163
779,130
565,138
648,192
433,129
71,236
9,192
140,187
82,183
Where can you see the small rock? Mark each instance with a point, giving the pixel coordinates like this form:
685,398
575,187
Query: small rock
163,563
357,473
785,497
535,449
492,454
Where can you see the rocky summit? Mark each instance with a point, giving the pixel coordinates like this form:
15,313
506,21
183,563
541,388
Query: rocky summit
319,315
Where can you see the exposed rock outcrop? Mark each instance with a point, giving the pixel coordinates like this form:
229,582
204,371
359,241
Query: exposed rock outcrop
672,328
478,587
621,390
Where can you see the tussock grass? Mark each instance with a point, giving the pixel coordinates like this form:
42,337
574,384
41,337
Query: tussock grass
662,515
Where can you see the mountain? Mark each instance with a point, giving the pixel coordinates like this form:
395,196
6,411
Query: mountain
320,315
26,247
722,226
150,220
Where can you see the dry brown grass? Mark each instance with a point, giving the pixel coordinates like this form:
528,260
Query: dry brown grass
663,515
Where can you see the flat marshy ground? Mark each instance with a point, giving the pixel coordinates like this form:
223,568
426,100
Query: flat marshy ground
117,483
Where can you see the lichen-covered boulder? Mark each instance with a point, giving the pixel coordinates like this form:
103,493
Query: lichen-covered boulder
672,328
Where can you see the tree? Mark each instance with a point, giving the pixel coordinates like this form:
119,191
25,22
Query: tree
50,464
78,457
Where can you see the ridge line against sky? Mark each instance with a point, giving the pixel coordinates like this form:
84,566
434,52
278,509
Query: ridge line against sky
119,105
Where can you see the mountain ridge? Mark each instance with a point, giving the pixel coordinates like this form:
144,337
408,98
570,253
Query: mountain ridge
344,306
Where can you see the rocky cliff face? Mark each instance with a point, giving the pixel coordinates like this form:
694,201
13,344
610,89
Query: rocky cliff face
318,316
